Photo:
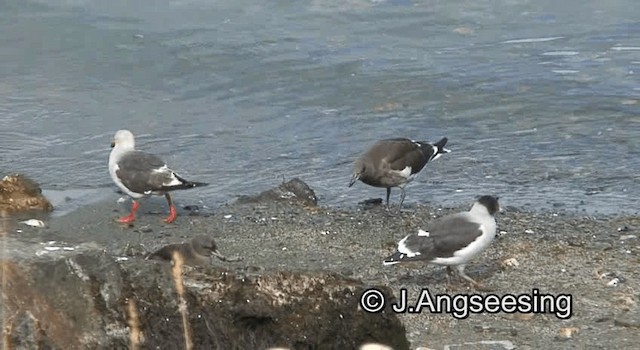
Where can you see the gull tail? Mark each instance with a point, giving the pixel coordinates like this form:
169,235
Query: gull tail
393,259
440,144
437,149
184,184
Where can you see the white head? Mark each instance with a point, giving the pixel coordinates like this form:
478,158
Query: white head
123,139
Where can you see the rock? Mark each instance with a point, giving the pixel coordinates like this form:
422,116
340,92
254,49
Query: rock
374,346
628,322
483,344
18,193
510,262
524,316
567,333
294,190
370,203
90,301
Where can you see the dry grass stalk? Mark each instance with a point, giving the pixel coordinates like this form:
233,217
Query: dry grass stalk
134,325
6,326
182,303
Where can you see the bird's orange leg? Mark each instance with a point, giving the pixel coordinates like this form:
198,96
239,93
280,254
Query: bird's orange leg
172,210
132,215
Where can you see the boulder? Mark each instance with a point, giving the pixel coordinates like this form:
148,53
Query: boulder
88,300
294,191
18,193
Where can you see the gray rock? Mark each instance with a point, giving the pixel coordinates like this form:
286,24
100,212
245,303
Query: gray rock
82,301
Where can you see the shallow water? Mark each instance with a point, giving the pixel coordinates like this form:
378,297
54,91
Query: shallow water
540,99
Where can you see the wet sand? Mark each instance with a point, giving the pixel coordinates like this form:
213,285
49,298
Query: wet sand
554,253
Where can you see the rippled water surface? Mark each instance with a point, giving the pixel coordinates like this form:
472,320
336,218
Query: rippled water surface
540,99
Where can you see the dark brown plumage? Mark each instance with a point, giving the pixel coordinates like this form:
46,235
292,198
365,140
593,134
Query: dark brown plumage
198,251
395,162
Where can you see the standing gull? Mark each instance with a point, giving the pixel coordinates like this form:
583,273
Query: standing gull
452,240
395,163
141,174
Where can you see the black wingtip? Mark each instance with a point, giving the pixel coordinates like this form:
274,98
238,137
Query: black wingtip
440,144
393,259
188,184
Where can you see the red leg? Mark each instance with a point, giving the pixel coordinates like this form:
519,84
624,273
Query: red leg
172,210
132,215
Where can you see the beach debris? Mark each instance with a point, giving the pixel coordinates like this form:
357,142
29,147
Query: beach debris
374,346
524,316
614,282
529,231
53,246
568,332
121,200
33,223
228,216
144,229
623,228
510,262
614,279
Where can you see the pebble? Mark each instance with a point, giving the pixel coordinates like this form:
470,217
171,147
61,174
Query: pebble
374,346
510,262
228,216
145,229
492,344
529,231
33,223
567,333
624,228
524,316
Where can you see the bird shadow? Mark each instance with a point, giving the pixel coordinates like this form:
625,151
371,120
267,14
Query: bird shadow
454,283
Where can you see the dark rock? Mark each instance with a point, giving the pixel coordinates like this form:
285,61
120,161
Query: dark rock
90,301
629,322
294,190
371,203
18,193
623,228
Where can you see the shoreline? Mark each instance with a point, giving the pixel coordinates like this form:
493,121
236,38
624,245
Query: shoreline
557,253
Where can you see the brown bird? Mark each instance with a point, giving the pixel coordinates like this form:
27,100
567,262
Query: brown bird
395,163
198,251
